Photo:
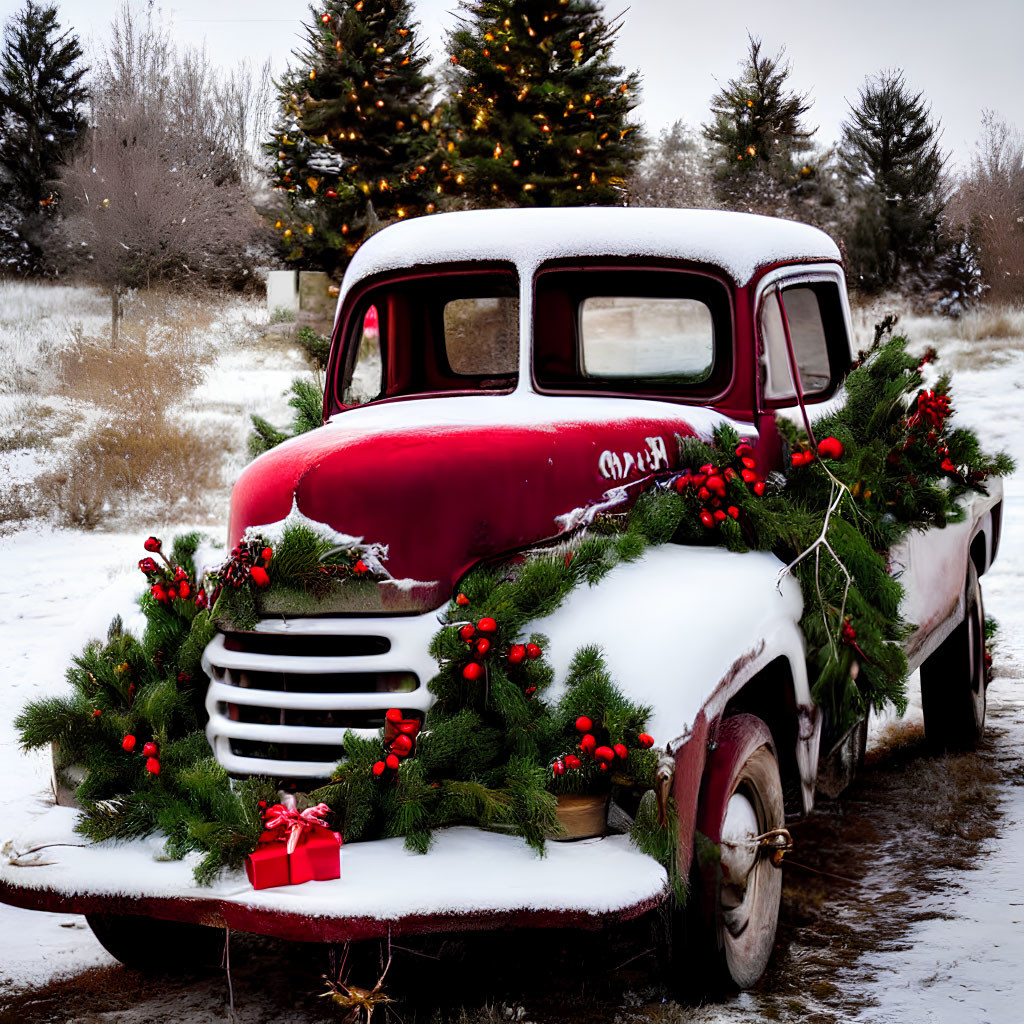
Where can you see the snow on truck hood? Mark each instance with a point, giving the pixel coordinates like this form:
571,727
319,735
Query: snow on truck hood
446,482
739,243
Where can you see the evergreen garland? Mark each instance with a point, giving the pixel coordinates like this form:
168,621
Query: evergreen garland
493,752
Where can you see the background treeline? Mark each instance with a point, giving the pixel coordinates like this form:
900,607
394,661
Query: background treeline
152,164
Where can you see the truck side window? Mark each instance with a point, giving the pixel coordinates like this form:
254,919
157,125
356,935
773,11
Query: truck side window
810,343
629,336
365,383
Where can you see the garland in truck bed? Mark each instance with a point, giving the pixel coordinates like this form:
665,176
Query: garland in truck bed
493,752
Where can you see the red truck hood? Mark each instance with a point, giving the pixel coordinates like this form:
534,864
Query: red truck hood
445,482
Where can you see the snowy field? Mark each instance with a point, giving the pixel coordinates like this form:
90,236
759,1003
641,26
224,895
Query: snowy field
961,963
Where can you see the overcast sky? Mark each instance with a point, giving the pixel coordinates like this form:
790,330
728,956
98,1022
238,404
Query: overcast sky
965,56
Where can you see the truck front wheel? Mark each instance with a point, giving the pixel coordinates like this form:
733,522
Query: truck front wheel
147,944
738,885
953,679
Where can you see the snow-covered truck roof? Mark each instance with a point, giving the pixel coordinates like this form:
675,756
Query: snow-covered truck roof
739,243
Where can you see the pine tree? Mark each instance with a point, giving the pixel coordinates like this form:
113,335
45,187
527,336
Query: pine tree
354,144
757,125
537,113
41,122
891,156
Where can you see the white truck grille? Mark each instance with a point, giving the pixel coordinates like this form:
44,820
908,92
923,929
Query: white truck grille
282,697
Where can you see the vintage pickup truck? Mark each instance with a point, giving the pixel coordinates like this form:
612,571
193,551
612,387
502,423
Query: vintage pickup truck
528,369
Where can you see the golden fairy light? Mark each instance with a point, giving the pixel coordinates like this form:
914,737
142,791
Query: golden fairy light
497,151
528,187
309,229
400,212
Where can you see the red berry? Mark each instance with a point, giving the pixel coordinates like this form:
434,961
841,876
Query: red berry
97,713
378,768
533,651
646,740
152,544
472,671
147,565
748,462
360,567
718,515
401,745
325,18
391,761
716,485
830,448
530,691
483,645
393,715
734,512
149,750
172,594
572,761
153,766
128,743
620,751
748,476
462,600
588,744
487,625
267,554
584,724
707,518
201,599
704,494
259,576
707,468
558,768
184,589
698,479
179,574
604,754
466,632
759,488
516,654
158,592
744,451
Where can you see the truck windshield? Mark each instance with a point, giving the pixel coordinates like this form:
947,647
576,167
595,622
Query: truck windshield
447,330
661,331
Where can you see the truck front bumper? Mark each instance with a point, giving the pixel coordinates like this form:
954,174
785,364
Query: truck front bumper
470,880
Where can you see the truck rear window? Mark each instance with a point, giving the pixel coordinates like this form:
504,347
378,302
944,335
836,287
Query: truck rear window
627,329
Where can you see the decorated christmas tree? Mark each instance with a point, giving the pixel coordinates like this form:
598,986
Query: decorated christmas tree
537,113
354,144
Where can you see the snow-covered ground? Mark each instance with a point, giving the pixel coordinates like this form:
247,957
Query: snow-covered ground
963,965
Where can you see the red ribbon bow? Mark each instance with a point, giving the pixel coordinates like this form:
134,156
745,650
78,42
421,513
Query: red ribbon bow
293,821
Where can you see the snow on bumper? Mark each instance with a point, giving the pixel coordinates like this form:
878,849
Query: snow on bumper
470,880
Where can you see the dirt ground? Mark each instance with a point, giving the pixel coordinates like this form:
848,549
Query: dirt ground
859,864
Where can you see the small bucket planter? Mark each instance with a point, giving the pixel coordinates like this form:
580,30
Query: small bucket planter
582,817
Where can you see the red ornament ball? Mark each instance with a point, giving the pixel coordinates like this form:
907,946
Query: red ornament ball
259,576
830,448
149,750
391,761
483,645
487,625
588,744
325,18
152,544
516,654
472,671
620,751
466,632
646,740
462,600
128,743
378,768
267,554
153,766
533,651
604,754
584,724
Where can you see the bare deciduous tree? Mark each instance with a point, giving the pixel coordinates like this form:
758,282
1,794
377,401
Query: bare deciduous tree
159,192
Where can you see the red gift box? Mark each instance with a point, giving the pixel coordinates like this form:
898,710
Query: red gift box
295,848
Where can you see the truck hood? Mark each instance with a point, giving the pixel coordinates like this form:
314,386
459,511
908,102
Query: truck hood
445,482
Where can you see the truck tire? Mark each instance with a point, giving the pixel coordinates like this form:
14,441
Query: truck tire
737,889
151,945
953,679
